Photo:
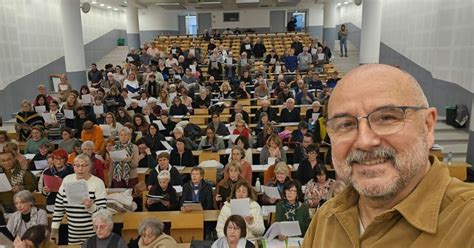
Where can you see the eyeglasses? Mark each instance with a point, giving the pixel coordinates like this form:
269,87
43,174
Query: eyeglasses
236,228
383,121
292,190
81,165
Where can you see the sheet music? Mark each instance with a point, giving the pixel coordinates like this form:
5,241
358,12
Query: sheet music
86,98
167,145
63,87
98,110
41,164
5,185
47,117
52,182
160,125
271,192
69,114
105,130
76,192
40,109
118,156
287,228
240,206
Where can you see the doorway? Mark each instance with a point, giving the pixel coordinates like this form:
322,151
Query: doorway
191,24
300,18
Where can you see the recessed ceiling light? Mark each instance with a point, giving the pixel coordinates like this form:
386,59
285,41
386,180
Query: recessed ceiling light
339,4
102,5
346,2
94,2
109,7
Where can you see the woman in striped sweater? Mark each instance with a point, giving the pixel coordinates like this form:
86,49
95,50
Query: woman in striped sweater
79,216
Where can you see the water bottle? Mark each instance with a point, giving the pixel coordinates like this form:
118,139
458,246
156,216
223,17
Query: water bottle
257,185
450,158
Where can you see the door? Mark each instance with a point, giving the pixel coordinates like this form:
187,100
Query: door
204,21
182,25
277,21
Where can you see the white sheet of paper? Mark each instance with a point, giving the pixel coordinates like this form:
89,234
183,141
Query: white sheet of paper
271,192
131,112
240,206
147,118
228,61
130,59
29,156
233,137
41,164
228,151
266,209
98,110
76,192
160,151
118,156
160,125
63,87
142,103
86,98
40,109
69,114
313,51
315,117
287,228
320,56
179,168
193,68
47,117
173,50
105,130
5,185
167,145
178,188
247,46
272,61
141,170
173,94
277,68
271,160
177,76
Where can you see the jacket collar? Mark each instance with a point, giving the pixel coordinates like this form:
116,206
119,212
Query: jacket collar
422,216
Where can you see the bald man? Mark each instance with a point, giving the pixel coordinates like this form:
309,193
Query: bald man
382,129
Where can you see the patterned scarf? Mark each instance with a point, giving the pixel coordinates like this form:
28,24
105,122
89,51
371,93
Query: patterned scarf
16,177
290,210
122,169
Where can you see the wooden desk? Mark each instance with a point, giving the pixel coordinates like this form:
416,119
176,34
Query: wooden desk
459,170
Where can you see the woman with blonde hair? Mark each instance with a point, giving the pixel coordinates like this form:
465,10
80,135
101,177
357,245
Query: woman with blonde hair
274,149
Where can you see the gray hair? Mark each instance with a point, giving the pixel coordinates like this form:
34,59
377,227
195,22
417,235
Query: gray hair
125,130
88,144
164,175
156,226
25,196
105,216
178,129
84,158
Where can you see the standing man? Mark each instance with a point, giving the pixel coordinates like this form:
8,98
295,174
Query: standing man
94,76
382,129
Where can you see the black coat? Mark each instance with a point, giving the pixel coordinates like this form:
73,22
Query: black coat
272,115
186,159
174,173
305,172
205,194
287,116
168,195
259,50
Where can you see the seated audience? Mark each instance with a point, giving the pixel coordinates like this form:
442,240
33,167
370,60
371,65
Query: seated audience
301,150
178,108
27,118
281,177
232,175
238,155
164,189
103,224
56,123
219,126
26,215
290,113
59,169
167,123
41,155
140,124
35,140
255,225
36,236
154,138
211,141
92,132
308,167
272,115
15,150
178,133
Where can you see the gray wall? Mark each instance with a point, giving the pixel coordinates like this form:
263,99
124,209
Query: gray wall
25,87
316,31
149,35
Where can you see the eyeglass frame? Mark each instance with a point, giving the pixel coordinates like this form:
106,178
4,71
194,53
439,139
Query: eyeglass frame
403,108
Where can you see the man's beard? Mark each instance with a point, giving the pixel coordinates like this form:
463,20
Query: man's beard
407,163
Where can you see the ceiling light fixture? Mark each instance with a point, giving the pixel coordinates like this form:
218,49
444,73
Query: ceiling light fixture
346,2
204,3
102,5
109,7
115,9
94,2
166,4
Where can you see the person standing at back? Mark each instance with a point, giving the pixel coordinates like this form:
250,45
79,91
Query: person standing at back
342,35
382,129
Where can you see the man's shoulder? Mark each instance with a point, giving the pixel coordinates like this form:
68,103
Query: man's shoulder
460,192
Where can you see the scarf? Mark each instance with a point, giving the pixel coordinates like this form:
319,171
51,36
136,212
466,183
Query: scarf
19,220
122,169
16,176
195,188
290,210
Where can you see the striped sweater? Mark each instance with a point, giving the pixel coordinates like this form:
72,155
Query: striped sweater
79,219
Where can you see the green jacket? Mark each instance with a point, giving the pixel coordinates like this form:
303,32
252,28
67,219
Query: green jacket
302,215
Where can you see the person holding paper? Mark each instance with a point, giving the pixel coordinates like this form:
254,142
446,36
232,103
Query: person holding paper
123,116
291,209
69,109
246,46
274,149
124,173
99,109
254,221
140,124
211,140
279,175
167,123
64,88
232,175
18,179
149,116
155,138
54,121
81,116
79,216
114,100
114,126
319,188
40,160
26,118
178,133
26,215
132,85
166,196
181,155
235,231
312,112
52,176
15,150
197,190
203,100
41,103
35,140
110,82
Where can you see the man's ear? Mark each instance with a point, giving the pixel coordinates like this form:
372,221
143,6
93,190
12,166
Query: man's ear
430,123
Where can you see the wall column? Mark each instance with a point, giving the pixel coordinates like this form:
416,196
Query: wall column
329,23
370,31
133,34
73,41
470,145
